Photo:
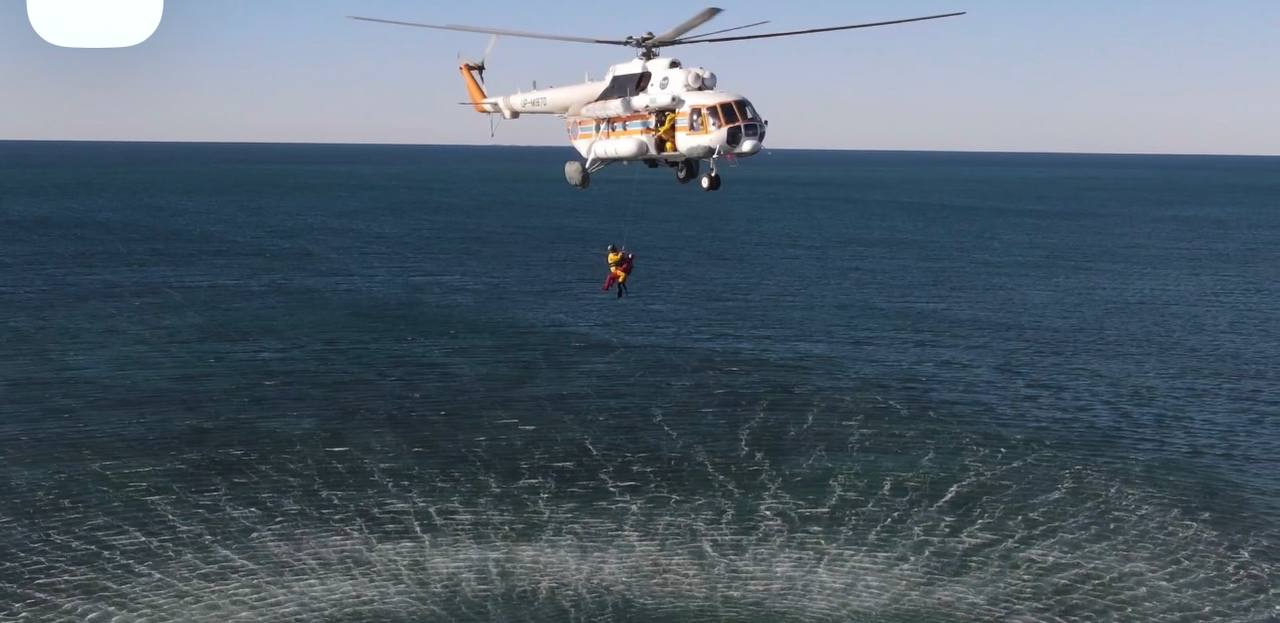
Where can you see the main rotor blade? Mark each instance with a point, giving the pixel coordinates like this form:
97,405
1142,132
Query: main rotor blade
493,31
809,31
701,18
716,32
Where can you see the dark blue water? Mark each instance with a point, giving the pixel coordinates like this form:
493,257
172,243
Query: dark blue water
344,383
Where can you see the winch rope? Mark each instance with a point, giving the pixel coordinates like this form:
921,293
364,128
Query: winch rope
626,223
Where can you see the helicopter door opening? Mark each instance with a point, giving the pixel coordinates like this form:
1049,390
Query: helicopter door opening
664,131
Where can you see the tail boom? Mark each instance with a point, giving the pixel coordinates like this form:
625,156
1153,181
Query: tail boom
474,90
549,101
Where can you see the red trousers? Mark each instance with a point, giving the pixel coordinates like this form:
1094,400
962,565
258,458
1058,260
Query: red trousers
618,274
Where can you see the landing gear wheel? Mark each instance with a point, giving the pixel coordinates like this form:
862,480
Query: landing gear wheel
576,174
686,170
710,181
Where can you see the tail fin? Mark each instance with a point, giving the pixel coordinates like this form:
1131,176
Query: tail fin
474,90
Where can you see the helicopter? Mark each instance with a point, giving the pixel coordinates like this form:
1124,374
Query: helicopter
652,109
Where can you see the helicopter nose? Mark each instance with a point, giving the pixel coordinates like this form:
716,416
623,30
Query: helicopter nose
752,138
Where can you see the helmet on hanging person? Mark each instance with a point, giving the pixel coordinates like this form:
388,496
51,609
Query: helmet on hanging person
613,249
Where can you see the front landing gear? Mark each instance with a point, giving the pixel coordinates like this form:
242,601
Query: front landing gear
576,174
710,181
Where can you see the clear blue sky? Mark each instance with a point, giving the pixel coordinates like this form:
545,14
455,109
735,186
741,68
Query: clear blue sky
1161,76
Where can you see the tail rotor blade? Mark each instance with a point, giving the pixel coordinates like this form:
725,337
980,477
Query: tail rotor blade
479,66
493,40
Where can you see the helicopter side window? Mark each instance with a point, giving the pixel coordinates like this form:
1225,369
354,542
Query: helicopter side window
713,118
729,112
695,120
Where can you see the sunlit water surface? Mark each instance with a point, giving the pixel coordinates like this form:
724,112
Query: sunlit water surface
321,383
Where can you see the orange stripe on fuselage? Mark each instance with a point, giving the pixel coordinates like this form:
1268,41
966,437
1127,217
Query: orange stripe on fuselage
606,133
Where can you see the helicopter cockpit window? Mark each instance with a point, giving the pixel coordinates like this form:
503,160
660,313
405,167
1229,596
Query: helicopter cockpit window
747,111
625,85
729,113
695,120
713,118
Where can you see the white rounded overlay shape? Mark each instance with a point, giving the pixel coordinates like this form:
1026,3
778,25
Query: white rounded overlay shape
95,23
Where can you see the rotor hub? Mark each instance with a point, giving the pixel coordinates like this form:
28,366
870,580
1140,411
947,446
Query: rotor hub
644,45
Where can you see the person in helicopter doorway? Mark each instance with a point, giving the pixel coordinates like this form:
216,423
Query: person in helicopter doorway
620,263
666,132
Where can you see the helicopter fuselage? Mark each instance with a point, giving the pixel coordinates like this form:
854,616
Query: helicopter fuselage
653,110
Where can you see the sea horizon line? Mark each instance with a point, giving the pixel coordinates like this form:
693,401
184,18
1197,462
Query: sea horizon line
567,147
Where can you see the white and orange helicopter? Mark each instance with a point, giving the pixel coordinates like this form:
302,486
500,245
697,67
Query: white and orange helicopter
652,109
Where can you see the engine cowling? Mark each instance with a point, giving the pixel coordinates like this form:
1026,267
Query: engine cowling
656,102
629,105
608,108
700,79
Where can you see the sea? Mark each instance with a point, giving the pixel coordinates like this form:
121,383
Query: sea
343,383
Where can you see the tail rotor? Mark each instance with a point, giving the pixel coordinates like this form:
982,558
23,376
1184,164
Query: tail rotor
479,66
